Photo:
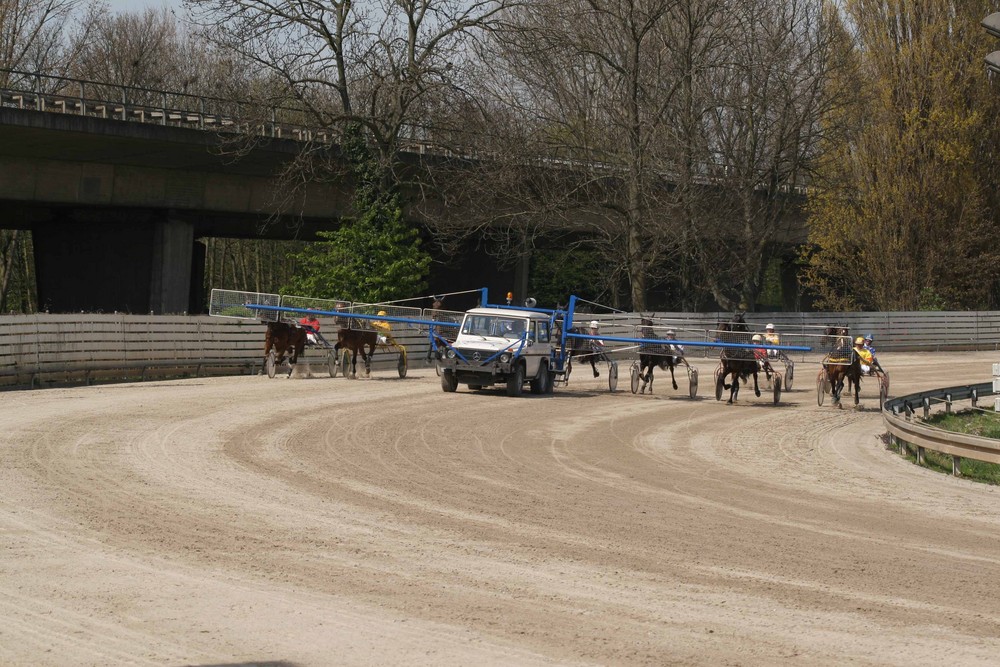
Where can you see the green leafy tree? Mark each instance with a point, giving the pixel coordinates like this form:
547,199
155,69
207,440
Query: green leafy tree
376,256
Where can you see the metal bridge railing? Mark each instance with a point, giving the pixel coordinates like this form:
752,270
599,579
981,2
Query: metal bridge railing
82,97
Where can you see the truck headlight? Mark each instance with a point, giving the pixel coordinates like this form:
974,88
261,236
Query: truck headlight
450,354
504,358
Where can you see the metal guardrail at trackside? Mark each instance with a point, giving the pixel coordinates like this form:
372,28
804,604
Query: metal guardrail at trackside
898,414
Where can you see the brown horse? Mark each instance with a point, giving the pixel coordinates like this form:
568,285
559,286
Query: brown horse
838,373
282,338
356,340
738,362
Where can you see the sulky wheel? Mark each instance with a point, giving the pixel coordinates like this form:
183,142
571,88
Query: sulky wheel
777,388
331,363
271,364
401,364
789,376
719,381
692,382
634,372
345,362
613,375
820,390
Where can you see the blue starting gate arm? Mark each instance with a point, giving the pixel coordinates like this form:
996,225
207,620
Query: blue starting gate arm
689,343
356,316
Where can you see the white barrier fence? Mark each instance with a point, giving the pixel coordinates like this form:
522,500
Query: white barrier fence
35,349
83,347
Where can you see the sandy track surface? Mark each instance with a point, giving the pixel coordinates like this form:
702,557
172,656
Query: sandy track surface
326,521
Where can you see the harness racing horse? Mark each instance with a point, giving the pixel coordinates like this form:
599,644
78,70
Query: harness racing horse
442,335
653,355
589,350
282,338
356,340
738,362
837,373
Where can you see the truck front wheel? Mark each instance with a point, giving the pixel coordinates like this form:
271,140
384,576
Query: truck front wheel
449,382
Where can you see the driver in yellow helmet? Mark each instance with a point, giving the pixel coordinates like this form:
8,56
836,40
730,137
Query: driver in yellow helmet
864,355
383,329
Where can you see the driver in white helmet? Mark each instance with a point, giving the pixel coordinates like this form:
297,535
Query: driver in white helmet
760,354
771,337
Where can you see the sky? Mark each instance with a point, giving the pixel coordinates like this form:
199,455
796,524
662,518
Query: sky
133,5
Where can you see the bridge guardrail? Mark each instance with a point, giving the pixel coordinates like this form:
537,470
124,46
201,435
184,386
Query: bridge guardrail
898,417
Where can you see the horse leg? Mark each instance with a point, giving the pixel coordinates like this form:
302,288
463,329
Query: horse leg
647,379
593,365
368,359
735,388
673,380
354,364
756,387
838,386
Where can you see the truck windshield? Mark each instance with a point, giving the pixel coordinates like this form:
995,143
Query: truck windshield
492,325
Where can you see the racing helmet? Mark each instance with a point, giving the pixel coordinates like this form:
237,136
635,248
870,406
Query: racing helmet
594,324
769,326
670,332
859,341
868,337
381,313
757,338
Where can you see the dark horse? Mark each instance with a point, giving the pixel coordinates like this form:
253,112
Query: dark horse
356,340
283,338
738,362
653,355
442,336
589,350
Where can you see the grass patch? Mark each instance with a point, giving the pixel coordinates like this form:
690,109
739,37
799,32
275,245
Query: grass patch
973,422
985,423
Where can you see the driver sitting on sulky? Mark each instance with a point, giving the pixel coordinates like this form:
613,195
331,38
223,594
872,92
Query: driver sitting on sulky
383,329
311,324
870,346
864,356
771,337
760,354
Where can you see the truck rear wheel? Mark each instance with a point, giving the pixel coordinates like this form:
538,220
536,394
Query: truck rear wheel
515,381
540,385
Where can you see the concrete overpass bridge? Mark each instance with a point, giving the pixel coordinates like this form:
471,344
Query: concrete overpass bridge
117,193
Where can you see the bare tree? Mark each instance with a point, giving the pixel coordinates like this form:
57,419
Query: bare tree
581,92
671,132
33,36
380,65
764,127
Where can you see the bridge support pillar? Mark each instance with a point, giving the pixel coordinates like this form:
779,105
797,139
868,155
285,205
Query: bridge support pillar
135,263
170,273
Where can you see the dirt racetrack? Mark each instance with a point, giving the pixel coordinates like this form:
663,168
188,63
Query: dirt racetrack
372,522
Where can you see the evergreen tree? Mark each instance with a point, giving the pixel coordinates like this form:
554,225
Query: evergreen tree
374,257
